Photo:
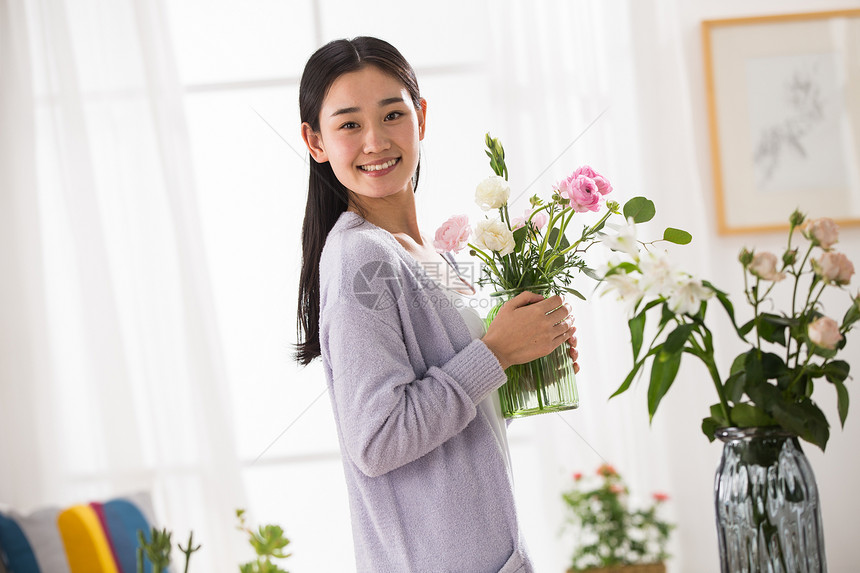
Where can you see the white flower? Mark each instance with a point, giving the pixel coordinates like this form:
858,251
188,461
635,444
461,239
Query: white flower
625,241
627,286
492,192
494,235
688,296
659,276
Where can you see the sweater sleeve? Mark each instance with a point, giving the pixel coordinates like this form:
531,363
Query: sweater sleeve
388,417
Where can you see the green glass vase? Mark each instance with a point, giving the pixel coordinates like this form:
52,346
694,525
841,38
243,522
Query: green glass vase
547,384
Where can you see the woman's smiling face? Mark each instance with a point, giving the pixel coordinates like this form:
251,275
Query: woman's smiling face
369,133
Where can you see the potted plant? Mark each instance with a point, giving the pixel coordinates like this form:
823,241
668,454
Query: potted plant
268,542
767,502
610,536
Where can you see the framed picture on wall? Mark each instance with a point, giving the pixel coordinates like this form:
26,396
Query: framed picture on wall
784,113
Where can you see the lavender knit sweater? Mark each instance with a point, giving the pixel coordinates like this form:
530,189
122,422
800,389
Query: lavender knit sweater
428,487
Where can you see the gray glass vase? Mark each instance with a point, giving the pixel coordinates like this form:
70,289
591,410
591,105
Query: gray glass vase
767,503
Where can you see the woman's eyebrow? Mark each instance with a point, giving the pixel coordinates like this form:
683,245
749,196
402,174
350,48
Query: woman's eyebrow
382,103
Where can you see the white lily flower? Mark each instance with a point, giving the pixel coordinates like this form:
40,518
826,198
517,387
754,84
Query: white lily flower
625,241
688,296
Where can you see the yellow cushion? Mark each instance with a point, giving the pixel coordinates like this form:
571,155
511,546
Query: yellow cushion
87,548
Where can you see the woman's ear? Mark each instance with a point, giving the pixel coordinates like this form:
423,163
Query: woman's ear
314,143
422,119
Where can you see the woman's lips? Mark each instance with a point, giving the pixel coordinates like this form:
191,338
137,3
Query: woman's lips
380,168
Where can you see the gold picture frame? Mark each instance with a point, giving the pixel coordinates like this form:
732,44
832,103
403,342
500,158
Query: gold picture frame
784,118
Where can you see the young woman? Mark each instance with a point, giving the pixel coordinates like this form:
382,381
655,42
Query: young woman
412,378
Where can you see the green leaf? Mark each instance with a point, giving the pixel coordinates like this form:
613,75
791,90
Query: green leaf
574,292
772,365
734,386
678,338
745,414
841,401
520,238
553,237
718,415
816,428
837,371
640,209
771,327
709,428
663,372
591,273
677,236
753,368
666,315
629,379
637,330
738,363
625,267
852,315
746,328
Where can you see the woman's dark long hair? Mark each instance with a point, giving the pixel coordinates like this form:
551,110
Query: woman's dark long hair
327,197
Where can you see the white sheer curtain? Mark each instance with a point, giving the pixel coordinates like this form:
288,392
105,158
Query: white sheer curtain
112,378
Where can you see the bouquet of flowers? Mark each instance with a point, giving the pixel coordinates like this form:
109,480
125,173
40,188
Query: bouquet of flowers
608,532
532,252
772,382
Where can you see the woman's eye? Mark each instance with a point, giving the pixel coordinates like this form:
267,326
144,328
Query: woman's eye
349,125
393,115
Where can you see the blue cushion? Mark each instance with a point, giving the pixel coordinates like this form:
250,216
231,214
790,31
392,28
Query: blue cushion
15,548
123,520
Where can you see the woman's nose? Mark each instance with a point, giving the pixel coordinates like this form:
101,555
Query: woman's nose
375,139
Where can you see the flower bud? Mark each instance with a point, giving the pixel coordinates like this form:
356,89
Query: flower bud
535,201
745,257
796,219
789,257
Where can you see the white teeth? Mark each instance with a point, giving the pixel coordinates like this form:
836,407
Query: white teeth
379,167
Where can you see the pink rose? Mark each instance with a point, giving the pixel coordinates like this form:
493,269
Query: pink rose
453,234
581,192
616,489
763,266
824,332
603,186
659,496
539,222
834,268
577,476
822,232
